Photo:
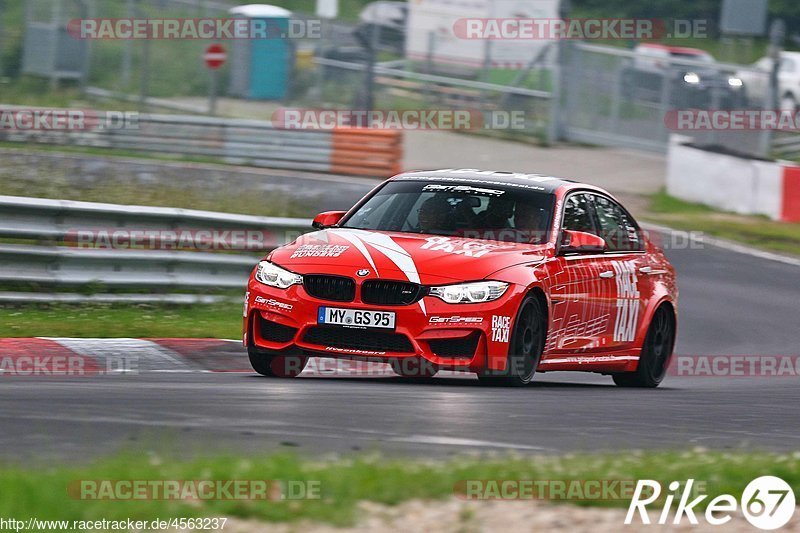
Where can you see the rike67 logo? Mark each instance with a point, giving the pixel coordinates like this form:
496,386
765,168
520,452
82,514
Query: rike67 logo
768,503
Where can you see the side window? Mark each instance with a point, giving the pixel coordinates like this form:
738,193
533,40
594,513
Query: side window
578,214
616,226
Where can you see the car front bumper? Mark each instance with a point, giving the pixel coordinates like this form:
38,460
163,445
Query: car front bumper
451,336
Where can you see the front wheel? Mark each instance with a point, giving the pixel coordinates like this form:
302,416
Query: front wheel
656,353
524,350
276,365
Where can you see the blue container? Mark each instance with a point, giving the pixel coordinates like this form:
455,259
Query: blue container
269,60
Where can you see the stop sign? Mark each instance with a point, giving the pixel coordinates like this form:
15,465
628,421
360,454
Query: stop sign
214,56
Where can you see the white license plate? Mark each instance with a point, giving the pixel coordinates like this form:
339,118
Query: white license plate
356,318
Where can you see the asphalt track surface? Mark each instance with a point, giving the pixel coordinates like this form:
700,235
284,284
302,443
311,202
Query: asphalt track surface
730,303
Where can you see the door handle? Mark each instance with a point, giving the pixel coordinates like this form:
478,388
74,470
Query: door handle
607,274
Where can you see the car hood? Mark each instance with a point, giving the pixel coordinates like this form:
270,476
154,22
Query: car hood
419,258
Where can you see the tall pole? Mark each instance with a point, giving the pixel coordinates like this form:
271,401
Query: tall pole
127,50
777,33
372,51
212,93
144,75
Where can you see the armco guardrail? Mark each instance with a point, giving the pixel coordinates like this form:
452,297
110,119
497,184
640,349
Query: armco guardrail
353,151
787,146
44,258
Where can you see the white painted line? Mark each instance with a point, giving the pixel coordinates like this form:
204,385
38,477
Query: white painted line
455,441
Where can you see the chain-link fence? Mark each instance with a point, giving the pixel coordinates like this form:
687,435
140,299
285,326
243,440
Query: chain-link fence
146,67
637,98
602,95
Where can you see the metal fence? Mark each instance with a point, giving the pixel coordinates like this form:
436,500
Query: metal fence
43,250
404,84
617,97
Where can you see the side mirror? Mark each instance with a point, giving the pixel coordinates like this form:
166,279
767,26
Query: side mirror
579,242
327,219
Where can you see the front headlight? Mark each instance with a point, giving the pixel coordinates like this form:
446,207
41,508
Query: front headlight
275,276
735,82
691,78
470,293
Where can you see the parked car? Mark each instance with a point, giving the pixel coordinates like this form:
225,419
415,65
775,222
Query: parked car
389,20
756,80
690,85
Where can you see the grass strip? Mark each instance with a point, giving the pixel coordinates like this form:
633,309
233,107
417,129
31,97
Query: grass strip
42,492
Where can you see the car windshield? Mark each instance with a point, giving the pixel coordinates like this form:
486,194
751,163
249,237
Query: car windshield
500,212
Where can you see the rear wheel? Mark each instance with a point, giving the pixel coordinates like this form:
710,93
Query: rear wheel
276,365
656,353
524,350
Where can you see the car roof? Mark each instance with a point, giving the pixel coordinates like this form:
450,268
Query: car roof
540,182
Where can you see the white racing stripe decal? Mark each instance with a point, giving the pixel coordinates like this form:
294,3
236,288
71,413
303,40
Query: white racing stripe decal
354,239
393,252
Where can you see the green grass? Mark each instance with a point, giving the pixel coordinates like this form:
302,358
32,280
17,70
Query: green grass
109,152
757,231
41,491
253,201
219,320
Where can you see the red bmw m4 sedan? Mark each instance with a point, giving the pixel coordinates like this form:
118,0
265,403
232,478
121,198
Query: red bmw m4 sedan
497,273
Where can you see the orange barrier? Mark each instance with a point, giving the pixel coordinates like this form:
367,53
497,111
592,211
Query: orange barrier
366,152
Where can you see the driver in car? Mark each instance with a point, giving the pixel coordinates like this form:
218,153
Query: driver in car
529,222
433,215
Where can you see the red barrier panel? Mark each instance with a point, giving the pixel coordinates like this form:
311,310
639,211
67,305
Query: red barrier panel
790,211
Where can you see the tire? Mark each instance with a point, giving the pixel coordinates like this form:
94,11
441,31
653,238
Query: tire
276,365
413,367
525,348
656,353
